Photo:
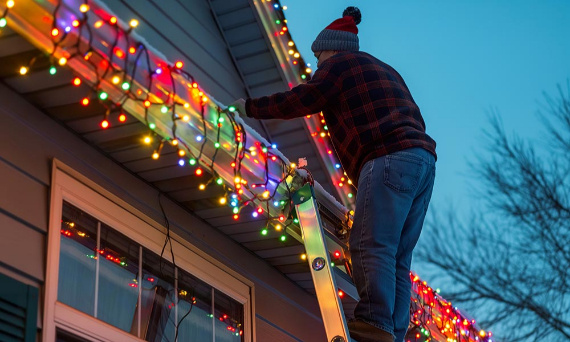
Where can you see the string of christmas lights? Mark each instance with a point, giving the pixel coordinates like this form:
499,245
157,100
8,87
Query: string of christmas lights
435,319
114,66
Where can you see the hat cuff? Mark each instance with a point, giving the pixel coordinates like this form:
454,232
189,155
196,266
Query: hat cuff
335,40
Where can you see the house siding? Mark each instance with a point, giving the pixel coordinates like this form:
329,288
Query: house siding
187,31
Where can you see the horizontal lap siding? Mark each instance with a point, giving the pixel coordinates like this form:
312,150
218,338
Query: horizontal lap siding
186,30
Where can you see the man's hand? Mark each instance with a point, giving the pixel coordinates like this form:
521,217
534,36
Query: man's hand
237,107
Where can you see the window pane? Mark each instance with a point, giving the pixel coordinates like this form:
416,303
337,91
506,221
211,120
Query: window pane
158,296
118,271
77,260
104,282
229,318
194,309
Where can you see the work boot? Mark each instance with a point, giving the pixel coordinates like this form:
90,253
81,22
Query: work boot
364,332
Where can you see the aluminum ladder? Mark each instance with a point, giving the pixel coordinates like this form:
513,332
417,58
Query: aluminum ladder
325,278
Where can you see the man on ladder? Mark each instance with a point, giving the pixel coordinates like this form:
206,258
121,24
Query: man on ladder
379,136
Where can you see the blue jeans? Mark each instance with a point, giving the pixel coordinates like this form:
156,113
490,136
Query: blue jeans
393,196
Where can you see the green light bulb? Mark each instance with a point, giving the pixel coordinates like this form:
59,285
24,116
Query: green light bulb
125,86
219,181
264,232
350,195
152,125
3,22
164,109
217,145
303,76
232,108
278,21
283,238
236,210
296,220
192,161
220,120
103,95
52,70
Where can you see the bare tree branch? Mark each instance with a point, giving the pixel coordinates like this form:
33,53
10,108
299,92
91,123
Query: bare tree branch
511,262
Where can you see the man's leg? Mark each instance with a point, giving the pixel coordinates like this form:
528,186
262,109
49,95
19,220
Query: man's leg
409,238
386,190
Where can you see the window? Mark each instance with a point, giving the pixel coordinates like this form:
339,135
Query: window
112,282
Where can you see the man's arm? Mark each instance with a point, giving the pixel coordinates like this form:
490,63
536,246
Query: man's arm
304,99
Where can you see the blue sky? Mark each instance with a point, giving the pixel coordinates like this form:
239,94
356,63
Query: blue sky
460,59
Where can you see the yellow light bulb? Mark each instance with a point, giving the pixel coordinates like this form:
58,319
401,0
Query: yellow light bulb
147,140
223,200
304,256
186,105
266,194
134,23
116,79
10,3
296,55
291,43
291,52
202,187
293,165
186,118
62,61
84,8
181,153
278,227
175,142
308,70
155,155
237,180
23,70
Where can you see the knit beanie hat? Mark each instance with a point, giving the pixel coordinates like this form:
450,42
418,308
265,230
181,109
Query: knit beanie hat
341,34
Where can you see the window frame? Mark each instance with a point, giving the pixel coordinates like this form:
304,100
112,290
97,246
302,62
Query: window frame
70,186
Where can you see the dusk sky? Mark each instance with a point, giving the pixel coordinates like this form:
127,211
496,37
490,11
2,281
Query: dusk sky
461,60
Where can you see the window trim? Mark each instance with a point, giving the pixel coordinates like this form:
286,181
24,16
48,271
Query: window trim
70,186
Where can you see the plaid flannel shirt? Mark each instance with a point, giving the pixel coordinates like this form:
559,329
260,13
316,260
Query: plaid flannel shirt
367,107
